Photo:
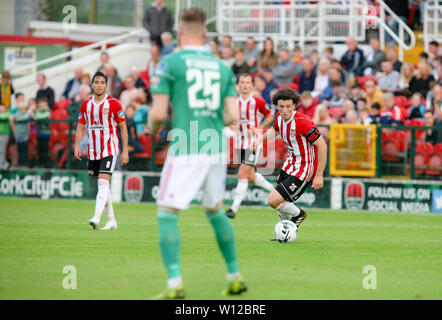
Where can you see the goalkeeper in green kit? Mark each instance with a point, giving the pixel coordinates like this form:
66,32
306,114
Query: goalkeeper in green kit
203,96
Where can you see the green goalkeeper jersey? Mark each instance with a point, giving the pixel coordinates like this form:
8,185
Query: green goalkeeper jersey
197,83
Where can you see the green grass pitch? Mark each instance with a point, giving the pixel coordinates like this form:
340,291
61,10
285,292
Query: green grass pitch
38,238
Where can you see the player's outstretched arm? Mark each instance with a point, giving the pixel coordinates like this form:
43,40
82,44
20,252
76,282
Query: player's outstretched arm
268,135
231,112
318,181
158,114
124,158
78,137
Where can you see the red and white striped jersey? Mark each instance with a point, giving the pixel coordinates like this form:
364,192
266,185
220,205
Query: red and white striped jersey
299,133
394,114
250,117
101,121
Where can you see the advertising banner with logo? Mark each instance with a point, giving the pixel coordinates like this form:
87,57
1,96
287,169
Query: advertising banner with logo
392,196
139,187
48,184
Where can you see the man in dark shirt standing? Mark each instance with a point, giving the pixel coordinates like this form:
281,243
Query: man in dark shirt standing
45,91
353,58
307,76
158,19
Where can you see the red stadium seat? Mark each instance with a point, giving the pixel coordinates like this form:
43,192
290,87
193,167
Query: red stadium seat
293,86
390,150
62,104
146,142
434,164
400,136
420,133
425,147
438,147
420,163
59,114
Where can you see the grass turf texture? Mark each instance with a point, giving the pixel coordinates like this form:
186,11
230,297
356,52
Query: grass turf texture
38,238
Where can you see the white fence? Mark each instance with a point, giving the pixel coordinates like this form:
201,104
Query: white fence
432,22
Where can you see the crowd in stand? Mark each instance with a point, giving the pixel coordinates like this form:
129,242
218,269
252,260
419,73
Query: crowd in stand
353,88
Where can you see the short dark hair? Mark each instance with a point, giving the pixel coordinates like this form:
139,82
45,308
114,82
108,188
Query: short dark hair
428,111
245,74
18,94
99,74
335,83
43,99
376,106
356,85
285,94
423,55
434,43
193,15
362,99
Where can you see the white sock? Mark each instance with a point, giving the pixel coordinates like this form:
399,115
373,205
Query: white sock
110,208
288,209
102,195
232,276
240,193
260,181
174,282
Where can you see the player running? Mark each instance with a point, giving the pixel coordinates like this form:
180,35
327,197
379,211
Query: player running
304,165
250,108
198,85
101,114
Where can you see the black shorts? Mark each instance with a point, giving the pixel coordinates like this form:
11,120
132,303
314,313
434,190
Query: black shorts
290,187
104,165
248,156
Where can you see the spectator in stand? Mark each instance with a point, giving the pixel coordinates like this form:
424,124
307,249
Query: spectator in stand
433,51
135,73
262,86
392,56
73,85
338,98
400,8
423,57
431,135
285,71
437,63
140,115
322,117
74,108
129,93
153,63
322,78
375,113
251,54
343,75
44,91
353,58
314,58
19,100
423,81
328,54
6,90
356,93
271,84
158,19
20,126
438,123
417,109
434,98
351,117
307,77
104,58
227,56
297,59
134,143
392,114
240,66
388,79
86,79
361,103
4,135
214,47
167,42
364,116
41,118
348,105
114,82
334,74
373,94
308,104
407,73
372,63
267,58
227,42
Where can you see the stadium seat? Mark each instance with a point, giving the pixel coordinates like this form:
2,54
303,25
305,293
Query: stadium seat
400,136
160,156
438,148
420,163
293,86
59,114
434,164
336,112
420,133
425,147
390,149
146,142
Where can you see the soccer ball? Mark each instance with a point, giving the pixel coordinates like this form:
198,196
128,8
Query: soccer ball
286,231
